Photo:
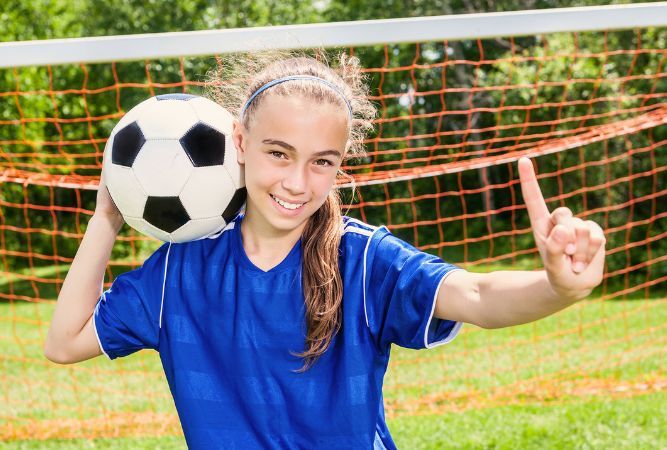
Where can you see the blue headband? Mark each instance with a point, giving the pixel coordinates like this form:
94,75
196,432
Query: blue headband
296,77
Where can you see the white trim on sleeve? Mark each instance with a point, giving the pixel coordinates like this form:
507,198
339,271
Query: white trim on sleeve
452,334
95,328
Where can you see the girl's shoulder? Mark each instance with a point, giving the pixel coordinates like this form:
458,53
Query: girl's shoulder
205,247
359,235
355,227
370,240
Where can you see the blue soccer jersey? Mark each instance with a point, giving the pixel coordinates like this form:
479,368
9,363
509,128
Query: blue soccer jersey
226,332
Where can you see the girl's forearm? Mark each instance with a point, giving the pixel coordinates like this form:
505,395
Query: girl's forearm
515,297
82,286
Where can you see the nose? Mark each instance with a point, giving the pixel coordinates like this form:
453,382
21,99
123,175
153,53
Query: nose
295,179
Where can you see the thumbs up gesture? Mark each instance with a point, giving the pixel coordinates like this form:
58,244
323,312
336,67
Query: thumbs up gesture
572,249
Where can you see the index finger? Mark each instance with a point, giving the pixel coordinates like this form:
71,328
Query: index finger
532,195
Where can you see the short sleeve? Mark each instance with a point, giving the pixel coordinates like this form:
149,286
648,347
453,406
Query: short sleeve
127,315
401,287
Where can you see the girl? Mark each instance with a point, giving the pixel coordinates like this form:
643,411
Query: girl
276,332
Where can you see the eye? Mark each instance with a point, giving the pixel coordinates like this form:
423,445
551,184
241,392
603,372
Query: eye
277,154
323,162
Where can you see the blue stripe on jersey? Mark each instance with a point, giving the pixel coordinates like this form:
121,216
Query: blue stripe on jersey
227,332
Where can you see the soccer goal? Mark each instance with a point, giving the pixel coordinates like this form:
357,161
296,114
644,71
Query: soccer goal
581,91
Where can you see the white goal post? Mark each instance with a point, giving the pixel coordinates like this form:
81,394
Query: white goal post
336,34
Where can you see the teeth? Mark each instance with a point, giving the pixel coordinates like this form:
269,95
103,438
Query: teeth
287,205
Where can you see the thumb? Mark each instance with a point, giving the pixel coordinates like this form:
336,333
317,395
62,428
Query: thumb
556,243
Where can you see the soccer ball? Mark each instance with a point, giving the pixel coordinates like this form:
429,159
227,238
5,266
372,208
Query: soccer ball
170,167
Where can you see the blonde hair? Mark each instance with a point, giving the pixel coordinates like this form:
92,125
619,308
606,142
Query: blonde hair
231,84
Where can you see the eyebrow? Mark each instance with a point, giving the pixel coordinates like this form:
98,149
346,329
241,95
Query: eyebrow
289,147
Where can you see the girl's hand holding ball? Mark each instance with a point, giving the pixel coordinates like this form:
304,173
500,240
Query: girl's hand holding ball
105,207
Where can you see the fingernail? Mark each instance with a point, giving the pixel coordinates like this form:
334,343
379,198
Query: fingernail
579,267
570,248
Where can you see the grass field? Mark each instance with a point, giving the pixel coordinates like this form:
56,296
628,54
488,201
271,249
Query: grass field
592,376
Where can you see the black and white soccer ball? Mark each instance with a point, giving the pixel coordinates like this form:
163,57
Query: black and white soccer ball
170,167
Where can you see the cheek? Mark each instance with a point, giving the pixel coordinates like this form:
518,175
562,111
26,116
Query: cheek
323,183
258,171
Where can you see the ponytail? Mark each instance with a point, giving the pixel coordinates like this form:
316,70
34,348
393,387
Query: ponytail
322,282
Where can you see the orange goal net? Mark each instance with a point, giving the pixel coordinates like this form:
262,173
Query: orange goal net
588,108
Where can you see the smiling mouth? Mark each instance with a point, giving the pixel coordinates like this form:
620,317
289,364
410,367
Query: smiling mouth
286,205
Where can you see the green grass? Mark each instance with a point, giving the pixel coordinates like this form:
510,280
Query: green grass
557,369
632,423
162,443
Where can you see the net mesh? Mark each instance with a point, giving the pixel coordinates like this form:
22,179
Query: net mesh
440,172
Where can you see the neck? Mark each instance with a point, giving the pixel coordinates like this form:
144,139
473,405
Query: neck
260,239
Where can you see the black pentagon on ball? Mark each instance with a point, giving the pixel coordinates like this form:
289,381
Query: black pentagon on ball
166,213
235,204
126,145
205,146
184,97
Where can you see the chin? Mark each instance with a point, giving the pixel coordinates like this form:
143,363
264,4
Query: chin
289,223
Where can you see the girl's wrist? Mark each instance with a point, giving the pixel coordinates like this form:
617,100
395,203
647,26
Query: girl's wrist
569,296
113,221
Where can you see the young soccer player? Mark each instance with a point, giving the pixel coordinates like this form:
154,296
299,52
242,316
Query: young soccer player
276,332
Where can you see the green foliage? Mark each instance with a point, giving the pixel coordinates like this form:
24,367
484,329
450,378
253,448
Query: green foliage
75,93
41,19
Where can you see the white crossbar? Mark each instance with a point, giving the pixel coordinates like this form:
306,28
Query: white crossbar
336,34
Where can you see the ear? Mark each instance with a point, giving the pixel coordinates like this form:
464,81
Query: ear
239,138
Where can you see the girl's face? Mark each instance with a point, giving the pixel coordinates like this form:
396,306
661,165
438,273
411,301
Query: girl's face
290,157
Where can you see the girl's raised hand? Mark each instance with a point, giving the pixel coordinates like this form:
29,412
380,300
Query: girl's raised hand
572,249
104,205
